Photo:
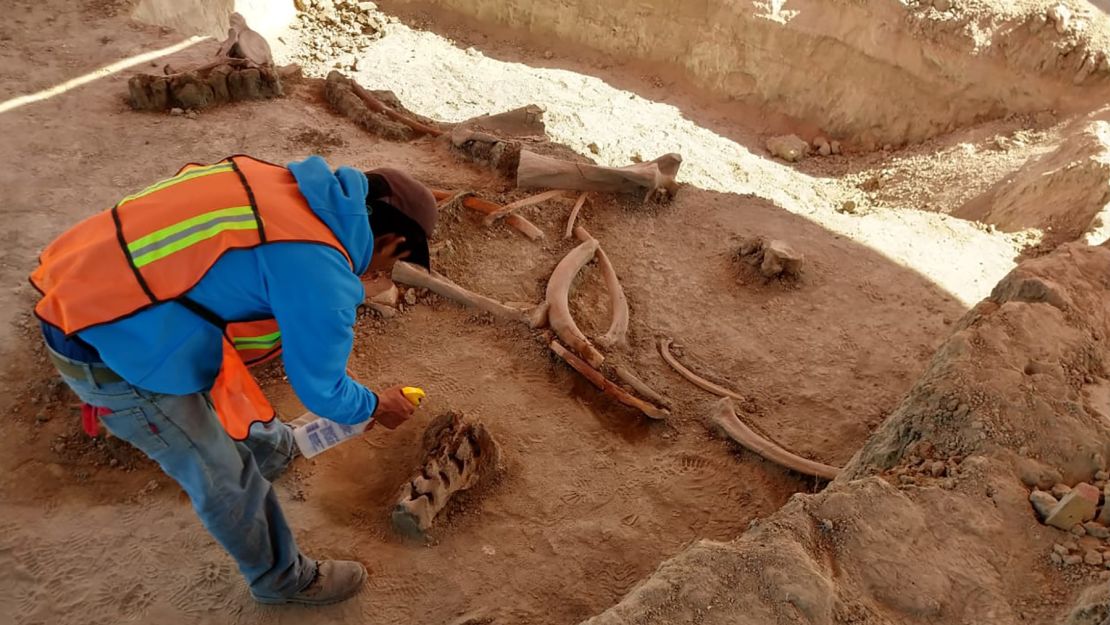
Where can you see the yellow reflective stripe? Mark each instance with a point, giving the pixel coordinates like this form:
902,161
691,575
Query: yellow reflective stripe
192,239
257,342
136,246
189,174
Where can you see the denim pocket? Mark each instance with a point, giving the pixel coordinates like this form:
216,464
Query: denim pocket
114,396
135,426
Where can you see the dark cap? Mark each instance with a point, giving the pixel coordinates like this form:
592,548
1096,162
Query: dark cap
407,195
398,204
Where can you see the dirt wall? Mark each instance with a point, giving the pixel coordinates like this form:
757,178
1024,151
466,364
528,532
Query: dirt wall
870,72
209,17
1065,193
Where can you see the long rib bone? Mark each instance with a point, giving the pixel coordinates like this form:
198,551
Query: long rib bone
531,200
414,276
630,378
725,416
486,207
574,214
601,382
558,300
618,303
700,382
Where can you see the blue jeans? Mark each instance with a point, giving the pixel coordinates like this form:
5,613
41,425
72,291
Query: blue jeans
227,481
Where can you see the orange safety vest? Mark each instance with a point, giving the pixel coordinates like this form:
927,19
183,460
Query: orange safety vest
157,244
257,342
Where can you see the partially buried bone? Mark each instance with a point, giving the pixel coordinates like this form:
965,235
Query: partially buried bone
459,454
244,43
411,275
630,378
650,178
486,207
558,300
618,303
574,214
697,380
725,417
605,385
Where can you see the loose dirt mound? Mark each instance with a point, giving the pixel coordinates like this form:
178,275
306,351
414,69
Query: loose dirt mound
1022,381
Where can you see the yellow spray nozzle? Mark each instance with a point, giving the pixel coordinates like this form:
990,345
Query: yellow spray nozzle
414,394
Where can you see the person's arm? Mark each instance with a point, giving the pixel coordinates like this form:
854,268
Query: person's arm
314,297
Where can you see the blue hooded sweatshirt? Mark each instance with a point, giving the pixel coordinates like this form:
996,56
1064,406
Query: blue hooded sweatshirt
308,288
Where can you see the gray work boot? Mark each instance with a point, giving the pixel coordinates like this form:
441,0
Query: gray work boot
336,580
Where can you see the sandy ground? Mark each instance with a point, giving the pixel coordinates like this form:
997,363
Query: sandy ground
593,497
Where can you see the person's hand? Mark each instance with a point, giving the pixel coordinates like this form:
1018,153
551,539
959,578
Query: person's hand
386,253
393,408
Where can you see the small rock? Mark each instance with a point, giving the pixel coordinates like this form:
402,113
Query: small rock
1059,490
907,479
1061,17
887,147
1102,476
824,150
1072,559
42,417
548,54
1104,515
1075,507
113,462
789,148
191,114
1096,529
1104,575
383,291
177,111
1043,503
410,297
1092,557
1061,549
780,259
937,469
1078,530
849,206
1038,475
1056,558
592,147
834,145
